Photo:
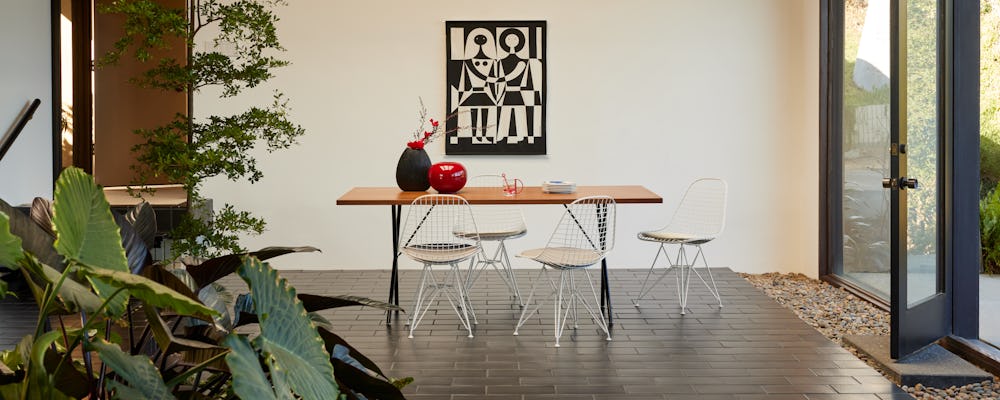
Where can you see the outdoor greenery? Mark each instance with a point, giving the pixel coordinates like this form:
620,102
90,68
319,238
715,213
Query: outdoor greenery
989,128
164,331
190,150
989,94
989,229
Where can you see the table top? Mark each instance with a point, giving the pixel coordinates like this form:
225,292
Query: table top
479,195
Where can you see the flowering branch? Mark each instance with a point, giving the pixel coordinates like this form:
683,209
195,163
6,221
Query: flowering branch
421,136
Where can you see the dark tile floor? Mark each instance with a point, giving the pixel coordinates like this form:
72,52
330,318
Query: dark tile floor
753,348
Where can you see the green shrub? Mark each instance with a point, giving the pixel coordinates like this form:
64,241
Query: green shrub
989,228
989,96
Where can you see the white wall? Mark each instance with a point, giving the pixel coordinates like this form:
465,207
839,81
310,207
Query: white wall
653,92
26,74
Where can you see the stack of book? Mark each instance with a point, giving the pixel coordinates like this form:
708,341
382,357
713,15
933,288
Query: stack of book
558,187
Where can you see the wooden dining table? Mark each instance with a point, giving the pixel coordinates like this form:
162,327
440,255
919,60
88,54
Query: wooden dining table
396,199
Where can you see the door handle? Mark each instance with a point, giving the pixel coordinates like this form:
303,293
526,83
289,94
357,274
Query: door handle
902,183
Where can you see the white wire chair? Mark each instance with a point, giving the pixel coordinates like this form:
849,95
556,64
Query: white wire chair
496,223
700,218
583,237
429,236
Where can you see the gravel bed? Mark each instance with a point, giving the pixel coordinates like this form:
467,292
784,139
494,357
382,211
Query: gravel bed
835,312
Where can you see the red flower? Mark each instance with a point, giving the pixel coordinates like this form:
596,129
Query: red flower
416,145
434,123
427,134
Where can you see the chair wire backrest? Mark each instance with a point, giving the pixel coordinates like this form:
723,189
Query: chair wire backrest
433,220
702,210
495,218
585,233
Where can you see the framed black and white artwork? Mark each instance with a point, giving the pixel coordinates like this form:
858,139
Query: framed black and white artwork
496,87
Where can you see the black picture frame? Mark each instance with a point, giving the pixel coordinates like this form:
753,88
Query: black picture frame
496,87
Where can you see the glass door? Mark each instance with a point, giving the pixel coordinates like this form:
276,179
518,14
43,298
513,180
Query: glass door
919,300
865,121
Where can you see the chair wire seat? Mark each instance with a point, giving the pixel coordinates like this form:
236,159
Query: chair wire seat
700,218
583,237
428,236
496,223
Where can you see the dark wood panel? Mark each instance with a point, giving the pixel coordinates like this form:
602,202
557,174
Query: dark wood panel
121,107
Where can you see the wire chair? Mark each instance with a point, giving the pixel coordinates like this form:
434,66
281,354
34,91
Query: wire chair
496,223
429,236
583,237
700,218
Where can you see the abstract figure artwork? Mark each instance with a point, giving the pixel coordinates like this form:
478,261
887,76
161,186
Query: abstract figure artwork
496,87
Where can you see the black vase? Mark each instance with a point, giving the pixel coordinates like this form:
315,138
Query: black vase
411,171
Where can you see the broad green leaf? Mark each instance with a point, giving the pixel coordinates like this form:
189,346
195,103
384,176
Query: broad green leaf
10,247
293,348
83,222
41,382
150,292
124,392
13,363
73,296
11,391
143,379
86,231
249,380
4,369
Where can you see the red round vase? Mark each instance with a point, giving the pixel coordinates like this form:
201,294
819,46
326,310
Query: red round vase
447,177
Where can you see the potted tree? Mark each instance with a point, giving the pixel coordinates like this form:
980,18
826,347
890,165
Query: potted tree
192,148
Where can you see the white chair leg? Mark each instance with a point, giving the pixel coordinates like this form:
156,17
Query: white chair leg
714,290
527,311
421,302
466,301
459,286
559,322
573,300
505,260
598,317
685,278
500,262
567,297
646,288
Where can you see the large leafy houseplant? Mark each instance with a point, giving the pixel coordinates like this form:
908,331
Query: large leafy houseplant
190,150
179,339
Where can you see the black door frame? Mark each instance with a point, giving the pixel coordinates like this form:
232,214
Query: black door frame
912,328
961,224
